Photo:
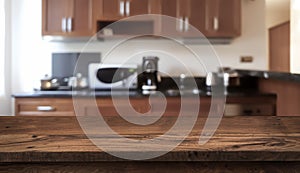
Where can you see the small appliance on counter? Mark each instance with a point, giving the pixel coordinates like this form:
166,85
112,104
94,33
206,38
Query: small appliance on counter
49,83
113,76
220,78
71,68
231,77
77,82
151,78
231,80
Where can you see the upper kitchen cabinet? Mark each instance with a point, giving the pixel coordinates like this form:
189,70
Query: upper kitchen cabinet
106,12
213,18
67,18
186,12
76,18
112,10
223,18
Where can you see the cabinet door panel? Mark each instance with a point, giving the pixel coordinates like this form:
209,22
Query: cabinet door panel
279,49
171,25
44,107
189,14
108,107
54,12
142,107
223,18
197,15
82,17
138,7
169,7
228,16
183,8
111,9
67,17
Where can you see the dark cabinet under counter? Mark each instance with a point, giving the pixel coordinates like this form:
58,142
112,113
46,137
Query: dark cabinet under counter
60,103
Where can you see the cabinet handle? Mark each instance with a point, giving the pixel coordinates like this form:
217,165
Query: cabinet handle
45,108
179,24
122,5
216,24
127,8
69,24
186,24
64,24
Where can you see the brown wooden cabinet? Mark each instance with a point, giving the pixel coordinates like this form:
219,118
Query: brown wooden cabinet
67,18
288,95
44,106
197,15
189,13
223,18
140,105
137,7
214,18
279,48
113,10
108,10
106,106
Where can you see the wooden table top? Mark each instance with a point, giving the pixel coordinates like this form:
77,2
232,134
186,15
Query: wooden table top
61,139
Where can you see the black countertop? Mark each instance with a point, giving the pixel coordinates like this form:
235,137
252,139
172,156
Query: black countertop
291,77
248,91
99,94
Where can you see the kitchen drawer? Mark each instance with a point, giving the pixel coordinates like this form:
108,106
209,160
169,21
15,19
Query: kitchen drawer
235,109
251,106
44,106
106,107
141,106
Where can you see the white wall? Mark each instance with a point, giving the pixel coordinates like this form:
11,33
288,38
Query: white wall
277,12
5,106
295,39
31,56
253,41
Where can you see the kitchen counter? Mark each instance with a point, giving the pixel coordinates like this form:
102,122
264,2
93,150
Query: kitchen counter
271,75
133,93
240,144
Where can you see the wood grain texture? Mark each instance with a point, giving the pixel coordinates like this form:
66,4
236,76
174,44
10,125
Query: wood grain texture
288,95
107,106
228,14
279,48
157,167
80,11
60,139
28,106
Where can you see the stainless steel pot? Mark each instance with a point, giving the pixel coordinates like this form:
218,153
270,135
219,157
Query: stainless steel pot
48,83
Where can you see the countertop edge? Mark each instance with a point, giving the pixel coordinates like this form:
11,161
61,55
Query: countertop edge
291,77
182,156
68,94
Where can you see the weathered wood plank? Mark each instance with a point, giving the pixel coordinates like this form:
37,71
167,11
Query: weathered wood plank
150,167
60,139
